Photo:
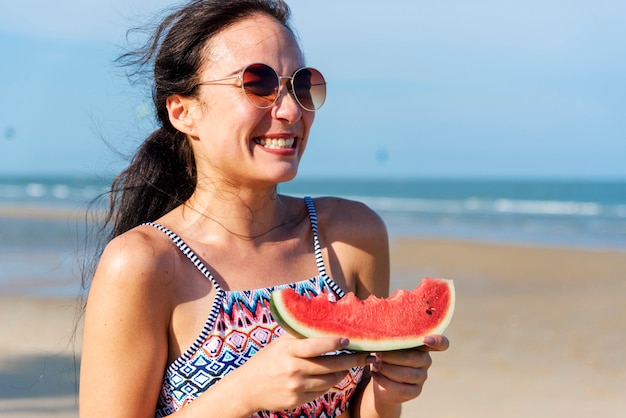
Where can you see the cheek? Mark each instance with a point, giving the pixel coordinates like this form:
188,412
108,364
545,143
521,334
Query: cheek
307,119
230,118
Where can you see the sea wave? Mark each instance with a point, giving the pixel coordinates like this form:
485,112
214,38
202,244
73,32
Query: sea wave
588,212
51,193
474,205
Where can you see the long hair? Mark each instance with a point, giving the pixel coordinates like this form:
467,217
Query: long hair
161,174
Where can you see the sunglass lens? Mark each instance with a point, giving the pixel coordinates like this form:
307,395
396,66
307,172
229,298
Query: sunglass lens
309,88
260,82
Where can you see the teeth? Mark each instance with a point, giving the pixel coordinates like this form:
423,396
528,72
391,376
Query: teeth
276,143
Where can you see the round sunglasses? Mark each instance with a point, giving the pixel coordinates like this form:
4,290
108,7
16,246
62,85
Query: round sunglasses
261,84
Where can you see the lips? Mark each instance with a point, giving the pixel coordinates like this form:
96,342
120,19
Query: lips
276,143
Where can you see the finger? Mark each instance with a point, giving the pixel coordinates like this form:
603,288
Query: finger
414,357
315,347
402,374
340,362
321,383
393,391
435,343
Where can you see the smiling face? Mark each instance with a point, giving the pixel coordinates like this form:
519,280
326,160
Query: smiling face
232,139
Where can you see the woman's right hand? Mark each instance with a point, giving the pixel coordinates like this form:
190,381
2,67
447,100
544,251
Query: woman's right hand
290,372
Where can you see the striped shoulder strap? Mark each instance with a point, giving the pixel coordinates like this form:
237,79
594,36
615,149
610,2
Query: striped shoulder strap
185,249
319,260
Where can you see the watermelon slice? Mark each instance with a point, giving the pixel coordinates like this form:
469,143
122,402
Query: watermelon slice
374,324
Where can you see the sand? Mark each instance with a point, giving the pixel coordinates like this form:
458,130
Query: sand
538,332
38,357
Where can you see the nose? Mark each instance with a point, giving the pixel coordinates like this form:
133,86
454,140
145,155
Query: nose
286,106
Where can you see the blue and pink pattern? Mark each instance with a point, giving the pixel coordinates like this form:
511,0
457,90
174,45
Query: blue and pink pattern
239,325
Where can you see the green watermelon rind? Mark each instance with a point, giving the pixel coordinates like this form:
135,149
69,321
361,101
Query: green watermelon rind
293,327
279,318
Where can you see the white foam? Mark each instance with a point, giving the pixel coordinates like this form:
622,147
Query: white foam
61,191
35,190
474,205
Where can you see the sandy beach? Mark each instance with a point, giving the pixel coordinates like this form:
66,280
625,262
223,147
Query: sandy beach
538,332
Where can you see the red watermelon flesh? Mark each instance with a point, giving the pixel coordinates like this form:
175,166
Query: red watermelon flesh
374,324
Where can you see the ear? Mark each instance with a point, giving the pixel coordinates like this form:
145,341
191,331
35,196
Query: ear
181,111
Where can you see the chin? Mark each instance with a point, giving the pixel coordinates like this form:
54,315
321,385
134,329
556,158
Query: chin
285,176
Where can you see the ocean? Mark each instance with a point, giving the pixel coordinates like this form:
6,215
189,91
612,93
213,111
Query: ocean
38,240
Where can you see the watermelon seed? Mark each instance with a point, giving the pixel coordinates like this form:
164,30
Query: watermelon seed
429,312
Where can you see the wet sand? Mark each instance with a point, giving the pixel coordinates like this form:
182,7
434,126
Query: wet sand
538,332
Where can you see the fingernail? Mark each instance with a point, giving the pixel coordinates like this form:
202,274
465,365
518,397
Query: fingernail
344,342
428,340
370,359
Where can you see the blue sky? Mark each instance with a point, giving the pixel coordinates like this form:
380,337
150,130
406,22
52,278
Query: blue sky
438,89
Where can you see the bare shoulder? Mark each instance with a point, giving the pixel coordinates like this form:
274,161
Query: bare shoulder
137,262
357,245
344,216
132,285
125,333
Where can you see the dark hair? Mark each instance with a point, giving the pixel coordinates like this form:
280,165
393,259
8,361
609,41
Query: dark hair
162,174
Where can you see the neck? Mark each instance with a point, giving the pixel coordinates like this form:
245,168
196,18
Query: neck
243,212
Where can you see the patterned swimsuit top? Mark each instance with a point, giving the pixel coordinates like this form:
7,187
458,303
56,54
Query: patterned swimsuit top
240,324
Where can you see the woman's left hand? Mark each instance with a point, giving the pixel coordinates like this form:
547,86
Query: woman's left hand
398,376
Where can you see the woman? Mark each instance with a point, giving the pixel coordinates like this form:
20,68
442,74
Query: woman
177,320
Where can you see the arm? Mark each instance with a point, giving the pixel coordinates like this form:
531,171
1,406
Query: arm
125,340
397,377
360,254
